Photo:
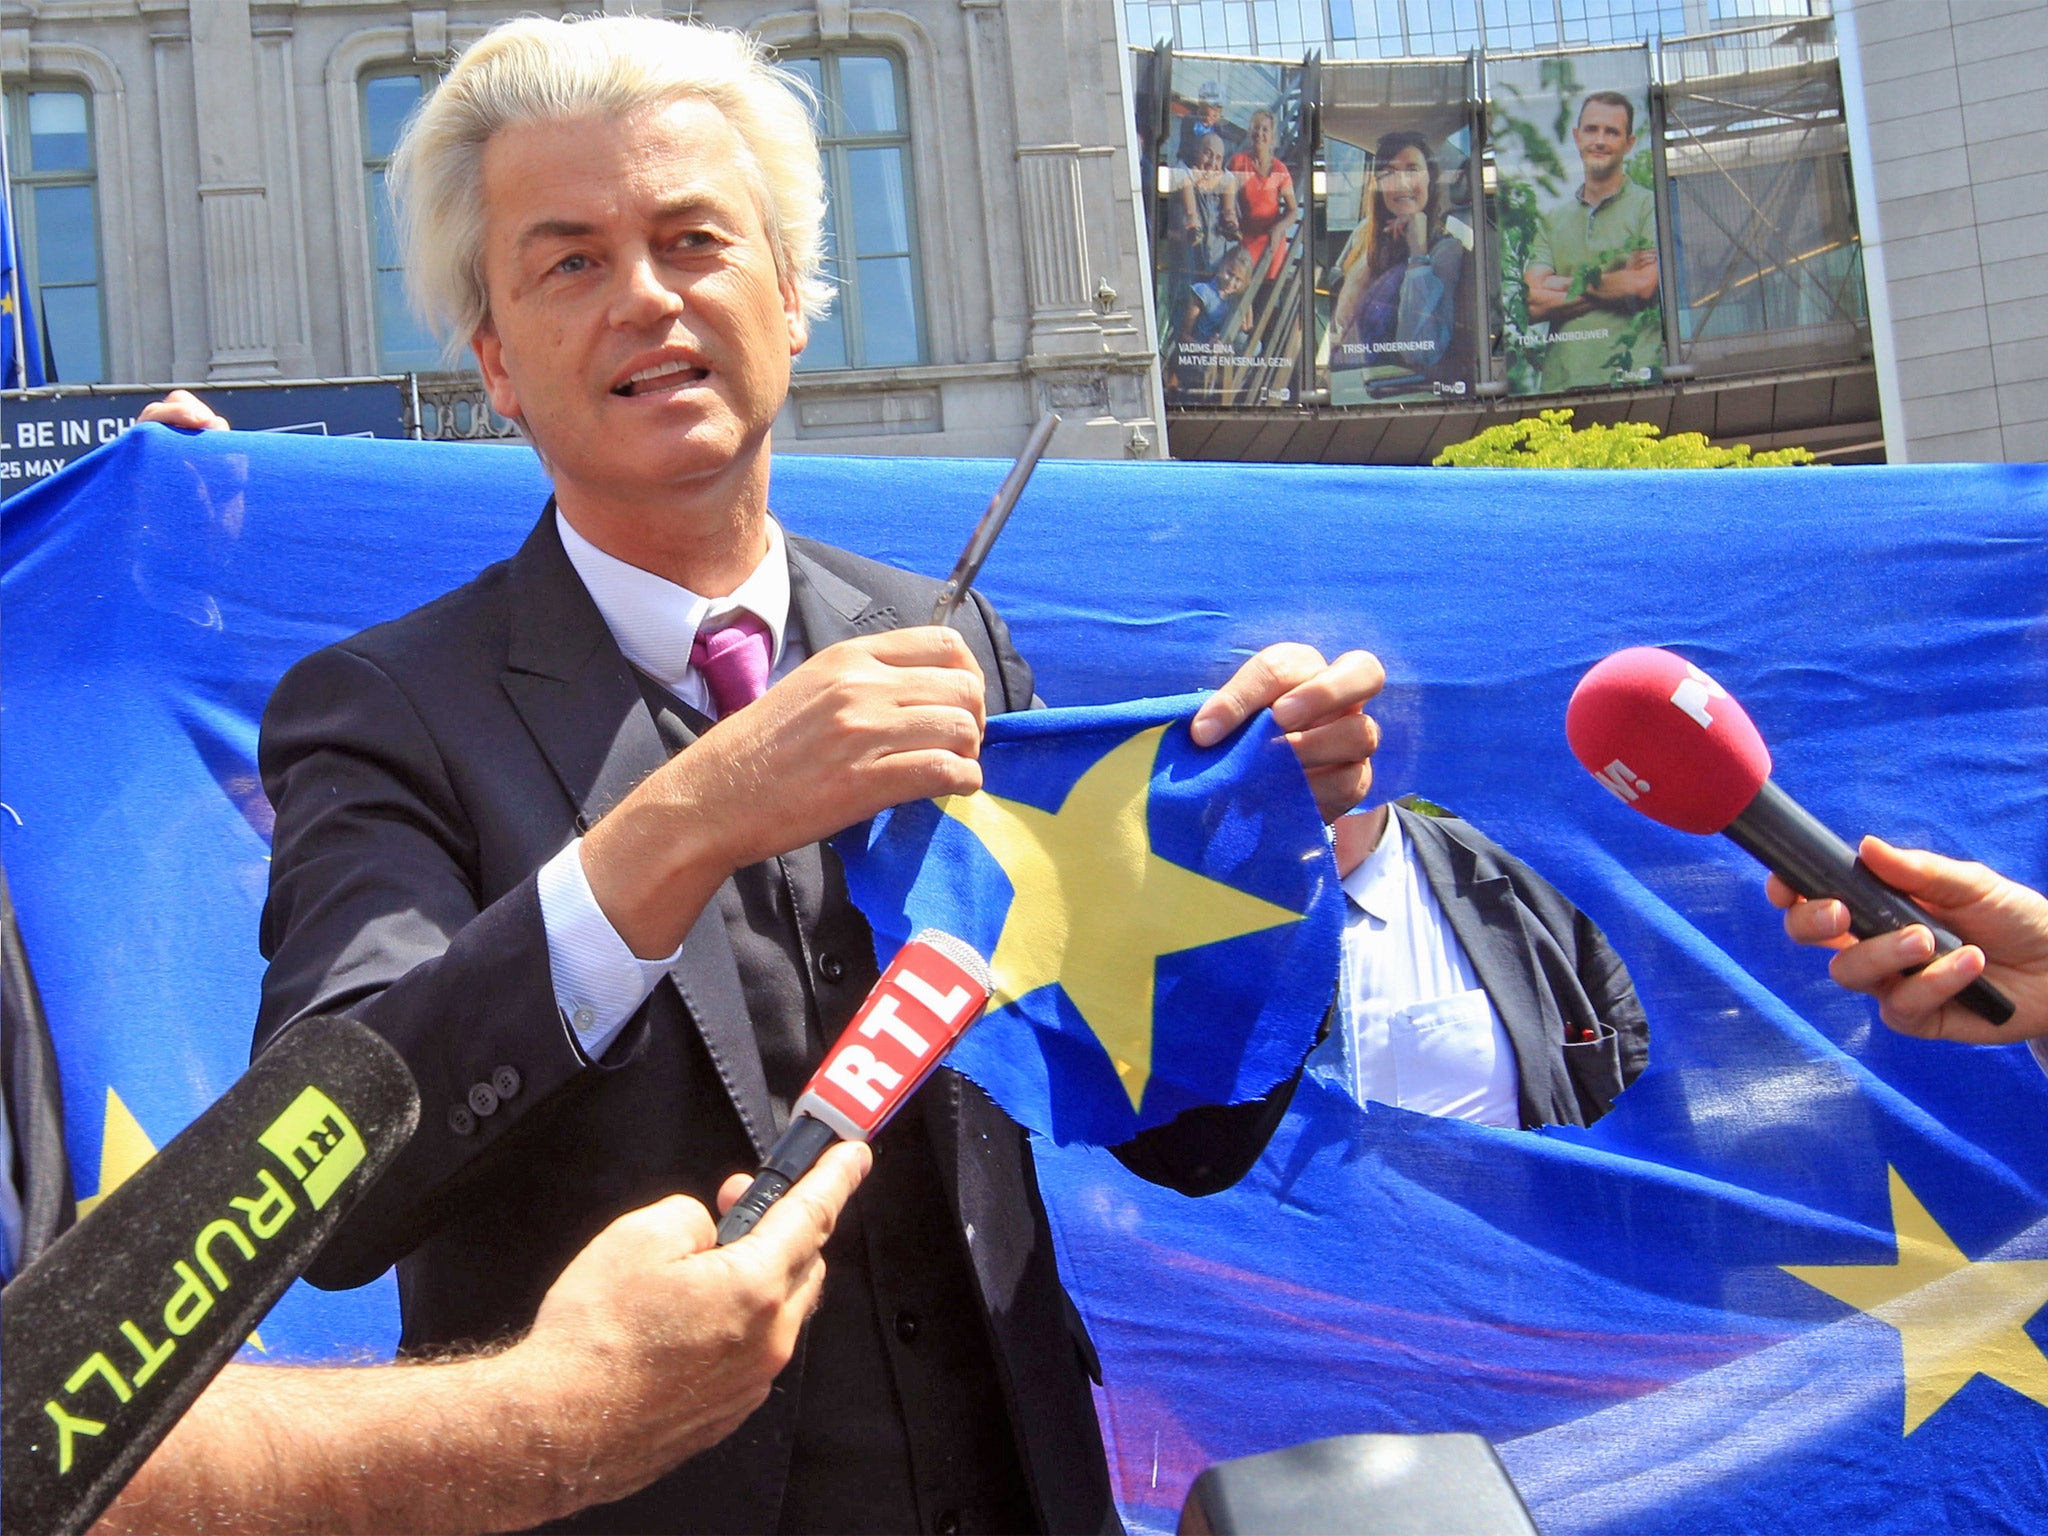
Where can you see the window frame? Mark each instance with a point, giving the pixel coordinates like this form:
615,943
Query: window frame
429,74
833,150
23,181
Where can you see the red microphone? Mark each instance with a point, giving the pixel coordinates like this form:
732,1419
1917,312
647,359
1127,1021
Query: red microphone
935,987
1669,741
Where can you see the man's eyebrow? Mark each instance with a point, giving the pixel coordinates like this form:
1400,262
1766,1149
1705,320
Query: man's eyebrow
553,229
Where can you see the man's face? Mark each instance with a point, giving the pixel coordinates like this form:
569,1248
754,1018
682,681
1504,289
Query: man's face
1603,138
637,324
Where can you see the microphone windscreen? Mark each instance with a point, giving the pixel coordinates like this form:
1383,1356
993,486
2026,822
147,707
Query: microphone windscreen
116,1328
1665,738
935,987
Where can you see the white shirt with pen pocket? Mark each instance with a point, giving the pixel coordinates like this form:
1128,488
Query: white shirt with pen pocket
1416,1029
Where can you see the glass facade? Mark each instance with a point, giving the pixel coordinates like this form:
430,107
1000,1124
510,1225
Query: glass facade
1769,263
55,184
862,122
1391,29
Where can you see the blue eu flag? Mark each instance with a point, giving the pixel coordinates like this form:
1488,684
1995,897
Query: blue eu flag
21,349
1162,920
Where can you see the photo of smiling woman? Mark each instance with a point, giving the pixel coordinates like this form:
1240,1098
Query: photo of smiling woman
1399,287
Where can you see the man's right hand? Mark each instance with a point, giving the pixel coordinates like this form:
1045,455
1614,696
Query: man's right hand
182,408
2004,927
654,1345
863,725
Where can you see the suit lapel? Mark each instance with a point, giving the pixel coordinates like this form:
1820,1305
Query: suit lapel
577,696
570,685
1478,901
830,608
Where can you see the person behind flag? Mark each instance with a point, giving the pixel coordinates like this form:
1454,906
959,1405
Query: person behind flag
2003,925
1510,1010
558,836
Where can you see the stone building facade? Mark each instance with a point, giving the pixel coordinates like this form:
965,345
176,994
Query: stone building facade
985,201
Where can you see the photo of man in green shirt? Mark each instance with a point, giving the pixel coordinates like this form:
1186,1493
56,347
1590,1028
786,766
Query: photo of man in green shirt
1592,268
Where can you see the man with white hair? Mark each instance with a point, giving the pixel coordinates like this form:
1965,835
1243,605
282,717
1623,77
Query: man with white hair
559,835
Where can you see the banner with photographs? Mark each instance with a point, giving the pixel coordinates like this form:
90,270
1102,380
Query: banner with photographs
1396,289
1576,221
1231,256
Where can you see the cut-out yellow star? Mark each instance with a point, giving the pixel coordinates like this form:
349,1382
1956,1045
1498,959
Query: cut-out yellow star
1956,1319
1094,907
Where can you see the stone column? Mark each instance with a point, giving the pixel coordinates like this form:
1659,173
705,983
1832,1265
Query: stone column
234,199
1063,316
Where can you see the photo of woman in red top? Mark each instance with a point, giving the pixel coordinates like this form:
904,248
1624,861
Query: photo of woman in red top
1267,206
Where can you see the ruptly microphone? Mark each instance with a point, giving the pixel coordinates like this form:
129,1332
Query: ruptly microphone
1667,739
115,1329
935,987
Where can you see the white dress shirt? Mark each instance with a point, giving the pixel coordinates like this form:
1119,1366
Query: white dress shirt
598,980
1415,1028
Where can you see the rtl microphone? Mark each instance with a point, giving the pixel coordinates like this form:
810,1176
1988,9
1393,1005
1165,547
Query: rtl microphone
935,987
115,1329
1667,739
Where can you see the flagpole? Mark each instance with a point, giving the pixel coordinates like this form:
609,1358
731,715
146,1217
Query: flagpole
14,269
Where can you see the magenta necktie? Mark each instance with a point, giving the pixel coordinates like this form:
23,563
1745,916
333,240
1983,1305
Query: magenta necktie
732,657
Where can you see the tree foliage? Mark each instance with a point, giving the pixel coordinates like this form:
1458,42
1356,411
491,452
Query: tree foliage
1549,441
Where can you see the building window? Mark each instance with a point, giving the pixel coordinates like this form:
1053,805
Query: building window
56,225
871,215
389,97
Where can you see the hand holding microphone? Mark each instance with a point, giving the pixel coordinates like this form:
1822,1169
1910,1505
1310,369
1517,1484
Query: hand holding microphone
2004,925
935,987
1666,739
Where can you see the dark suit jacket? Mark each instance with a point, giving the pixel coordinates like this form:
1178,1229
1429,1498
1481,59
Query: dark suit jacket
1562,993
421,773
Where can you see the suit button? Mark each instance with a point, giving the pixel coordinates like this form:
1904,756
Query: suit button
832,968
460,1120
507,1082
483,1098
906,1327
948,1523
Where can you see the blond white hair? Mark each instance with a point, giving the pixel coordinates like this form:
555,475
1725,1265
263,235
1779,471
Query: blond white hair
534,70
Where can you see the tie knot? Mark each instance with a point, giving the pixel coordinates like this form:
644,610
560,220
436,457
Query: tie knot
732,656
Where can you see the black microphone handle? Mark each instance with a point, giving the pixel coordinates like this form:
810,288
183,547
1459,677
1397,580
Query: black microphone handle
1783,835
116,1328
794,1155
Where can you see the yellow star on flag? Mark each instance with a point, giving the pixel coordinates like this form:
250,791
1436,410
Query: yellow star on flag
124,1147
1956,1319
1093,907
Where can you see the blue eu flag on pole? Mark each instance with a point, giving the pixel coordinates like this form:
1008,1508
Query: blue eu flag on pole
21,349
1162,920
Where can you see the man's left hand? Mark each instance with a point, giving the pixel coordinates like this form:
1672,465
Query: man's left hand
1321,707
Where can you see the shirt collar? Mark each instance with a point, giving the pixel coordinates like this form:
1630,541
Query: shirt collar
1593,207
655,621
1379,882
